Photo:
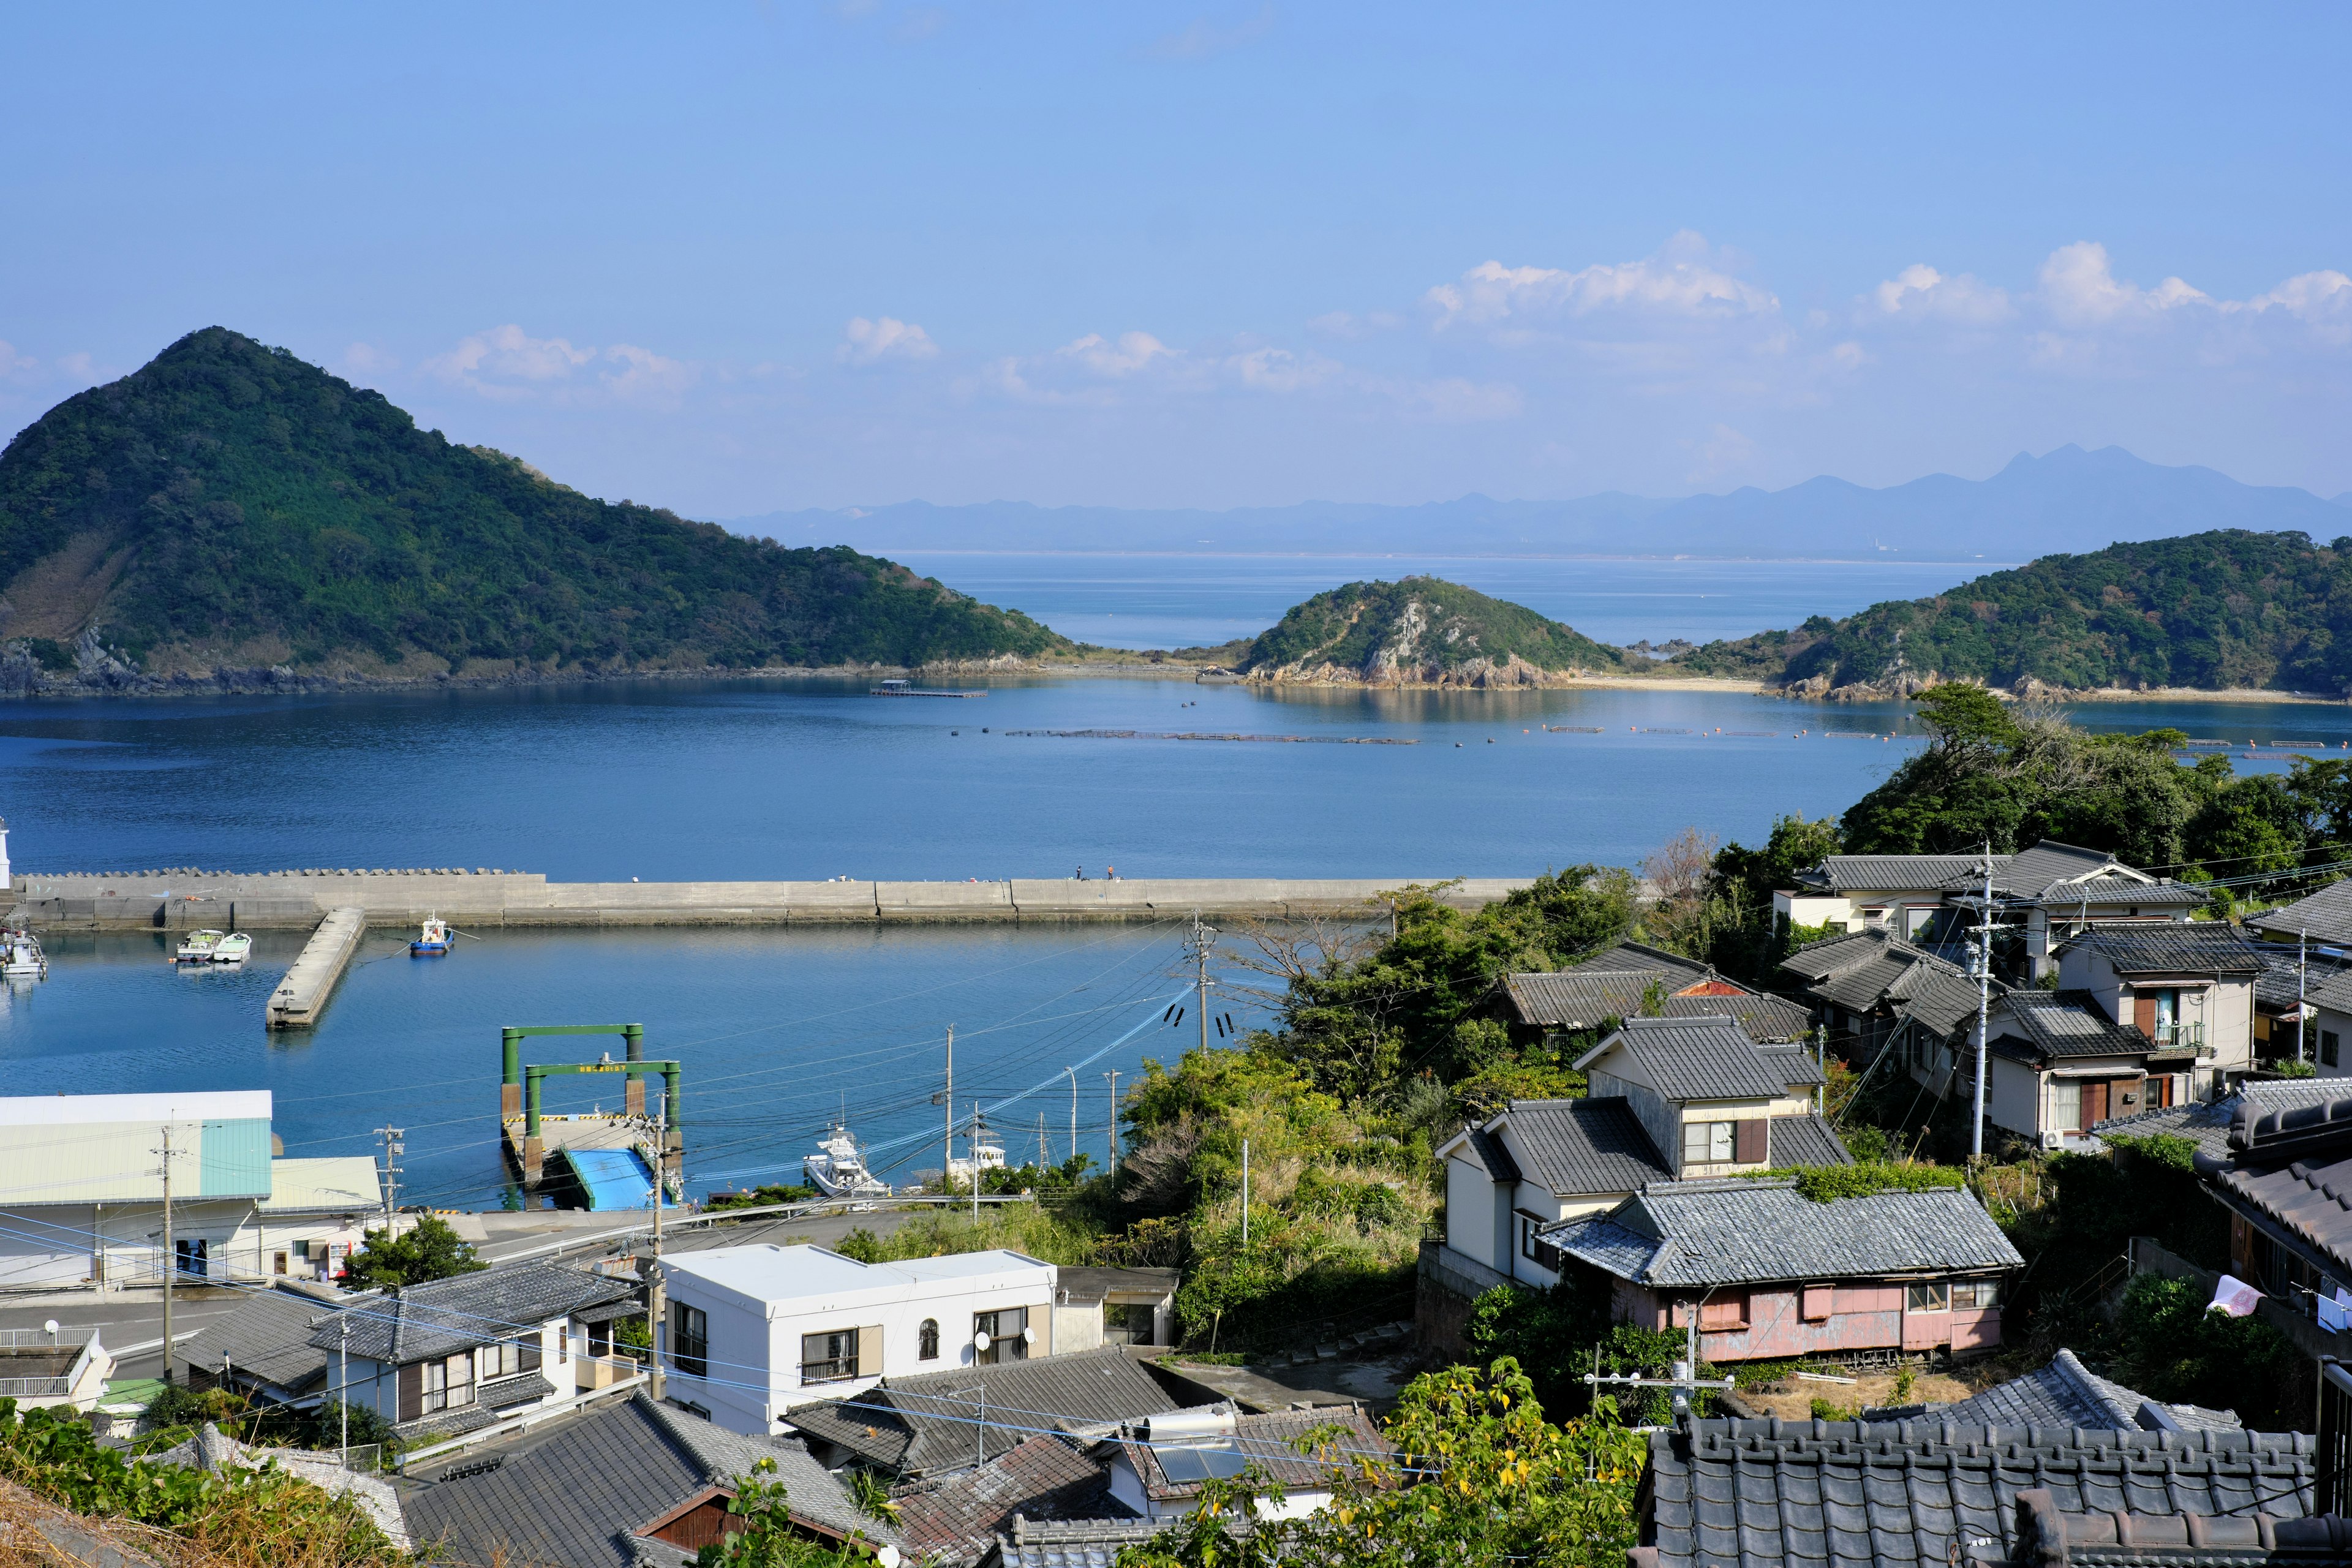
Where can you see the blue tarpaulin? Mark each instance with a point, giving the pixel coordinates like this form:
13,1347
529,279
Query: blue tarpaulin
612,1178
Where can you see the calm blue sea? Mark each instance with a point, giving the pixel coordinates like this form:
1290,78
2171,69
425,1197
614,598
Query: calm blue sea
811,779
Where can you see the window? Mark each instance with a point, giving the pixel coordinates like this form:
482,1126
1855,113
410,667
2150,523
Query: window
563,1346
1930,1296
2065,1105
1129,1322
1004,1329
927,1340
1706,1143
448,1383
506,1359
600,1341
1974,1295
1820,1303
194,1258
690,1339
2327,1047
280,1260
829,1357
1724,1312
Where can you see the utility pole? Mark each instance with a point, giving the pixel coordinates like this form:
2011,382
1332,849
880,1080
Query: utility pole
343,1393
171,1251
1073,1111
392,1149
1822,1060
1203,938
975,1161
2302,957
1244,1194
1683,1376
1984,1006
947,1098
656,1299
1044,1156
1113,1131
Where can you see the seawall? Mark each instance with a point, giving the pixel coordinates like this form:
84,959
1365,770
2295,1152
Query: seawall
299,899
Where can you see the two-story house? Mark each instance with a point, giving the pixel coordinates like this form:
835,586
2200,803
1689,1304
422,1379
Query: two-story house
1627,979
1875,991
2050,892
1667,1098
2056,1066
2189,988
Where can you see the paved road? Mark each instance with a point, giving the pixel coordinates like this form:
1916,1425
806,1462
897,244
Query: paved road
122,1318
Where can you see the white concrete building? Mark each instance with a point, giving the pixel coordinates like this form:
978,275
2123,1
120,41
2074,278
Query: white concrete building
2188,988
81,1191
754,1330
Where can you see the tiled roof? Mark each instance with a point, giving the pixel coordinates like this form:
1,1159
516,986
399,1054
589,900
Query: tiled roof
930,1423
444,1316
2197,947
576,1493
2028,873
1839,1494
1937,994
2309,1196
1266,1441
2067,1393
1578,1147
1694,1058
1075,1544
2275,987
1792,1065
1486,1148
266,1335
2323,989
2208,1122
2112,890
1799,1141
956,1522
2060,1024
1752,1232
1626,955
1577,999
2324,916
1896,873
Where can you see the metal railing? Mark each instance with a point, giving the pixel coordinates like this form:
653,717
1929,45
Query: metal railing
41,1339
2178,1035
34,1388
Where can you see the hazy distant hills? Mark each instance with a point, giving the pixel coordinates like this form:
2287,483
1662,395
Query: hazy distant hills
2066,501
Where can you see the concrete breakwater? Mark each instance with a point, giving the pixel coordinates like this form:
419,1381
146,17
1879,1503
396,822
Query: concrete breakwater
188,900
303,993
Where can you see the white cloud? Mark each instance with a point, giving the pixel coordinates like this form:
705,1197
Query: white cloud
1682,280
645,376
888,338
14,363
1920,293
2321,300
511,366
1133,353
81,367
1205,40
1279,370
2079,287
1346,325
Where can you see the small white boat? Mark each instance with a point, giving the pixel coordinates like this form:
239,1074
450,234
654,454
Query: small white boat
21,957
988,1152
432,940
838,1171
234,948
200,947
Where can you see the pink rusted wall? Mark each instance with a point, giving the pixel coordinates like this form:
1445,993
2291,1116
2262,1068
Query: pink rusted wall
1863,1317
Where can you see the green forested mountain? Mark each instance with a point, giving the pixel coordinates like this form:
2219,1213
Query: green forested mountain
1421,630
229,505
2229,608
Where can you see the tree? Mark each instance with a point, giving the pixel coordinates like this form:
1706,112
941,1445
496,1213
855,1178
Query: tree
769,1539
427,1250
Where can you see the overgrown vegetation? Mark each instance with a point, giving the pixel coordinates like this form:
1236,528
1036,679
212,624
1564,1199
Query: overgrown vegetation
2228,608
230,502
252,1518
769,1538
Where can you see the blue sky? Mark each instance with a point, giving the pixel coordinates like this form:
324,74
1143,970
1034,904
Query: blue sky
738,258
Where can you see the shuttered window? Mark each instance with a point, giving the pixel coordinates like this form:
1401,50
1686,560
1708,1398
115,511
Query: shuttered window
1820,1303
1724,1310
1750,1141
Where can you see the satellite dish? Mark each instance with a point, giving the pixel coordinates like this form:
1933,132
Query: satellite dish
1028,1336
50,1327
980,1340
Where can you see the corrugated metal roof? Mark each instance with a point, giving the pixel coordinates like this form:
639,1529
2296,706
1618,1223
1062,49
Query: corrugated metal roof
336,1184
98,1110
1754,1232
75,1155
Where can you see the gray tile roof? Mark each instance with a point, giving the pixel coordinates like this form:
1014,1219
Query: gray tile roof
2030,872
1584,999
1800,1141
1866,970
2112,890
2208,1122
1792,1065
2060,1024
575,1495
1046,1477
1814,1494
2324,916
1580,1147
444,1316
1755,1231
267,1335
2067,1393
2306,1195
1895,873
2275,987
1266,1441
2197,947
1486,1148
1695,1059
1075,1544
1937,994
930,1423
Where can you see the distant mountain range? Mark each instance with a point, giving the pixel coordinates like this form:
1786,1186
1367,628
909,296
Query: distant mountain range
2066,501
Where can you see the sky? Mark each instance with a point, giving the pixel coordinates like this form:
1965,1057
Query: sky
741,257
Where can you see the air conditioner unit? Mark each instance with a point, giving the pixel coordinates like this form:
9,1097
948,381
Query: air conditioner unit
2053,1141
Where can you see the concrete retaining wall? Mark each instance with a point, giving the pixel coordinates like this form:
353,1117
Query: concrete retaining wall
480,899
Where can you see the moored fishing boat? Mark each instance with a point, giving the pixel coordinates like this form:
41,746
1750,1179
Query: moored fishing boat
199,947
838,1171
21,957
987,1154
433,940
234,948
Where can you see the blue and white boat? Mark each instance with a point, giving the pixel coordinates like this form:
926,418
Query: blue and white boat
432,941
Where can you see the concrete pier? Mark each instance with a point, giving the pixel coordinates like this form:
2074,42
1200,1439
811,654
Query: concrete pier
303,996
227,901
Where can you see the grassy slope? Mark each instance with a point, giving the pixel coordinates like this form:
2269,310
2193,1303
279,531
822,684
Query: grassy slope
2229,608
248,500
1350,626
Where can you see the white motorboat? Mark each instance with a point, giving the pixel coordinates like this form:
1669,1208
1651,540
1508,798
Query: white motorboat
200,947
21,957
986,1151
838,1171
234,948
